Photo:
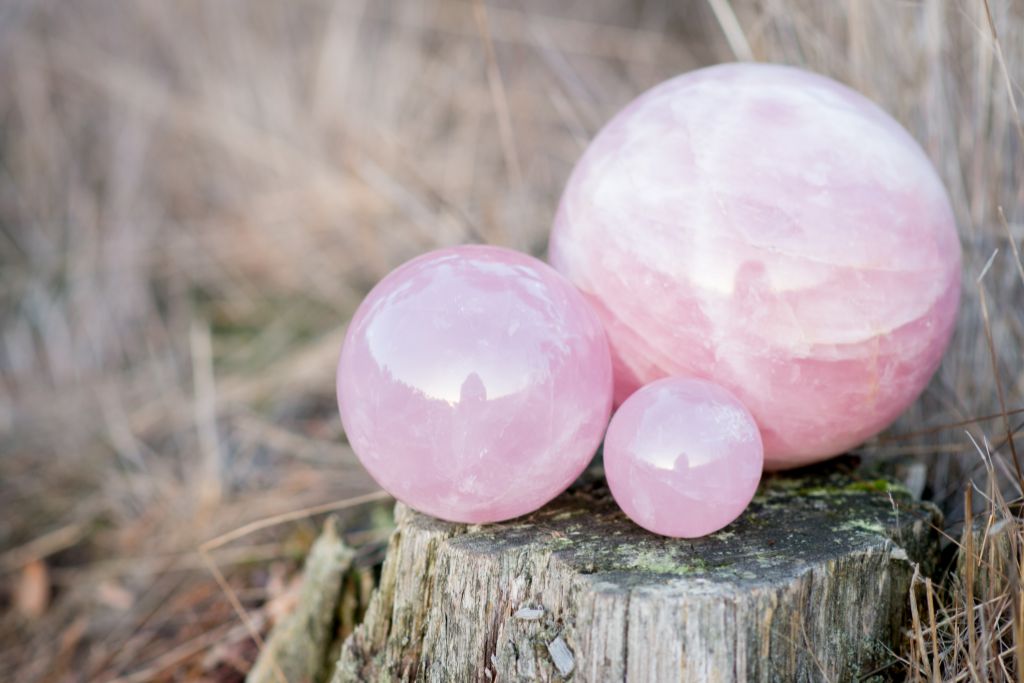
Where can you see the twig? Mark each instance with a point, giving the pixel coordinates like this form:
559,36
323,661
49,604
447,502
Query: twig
1013,244
999,382
292,516
498,95
1006,72
176,655
734,35
43,546
205,415
240,610
968,550
949,425
929,594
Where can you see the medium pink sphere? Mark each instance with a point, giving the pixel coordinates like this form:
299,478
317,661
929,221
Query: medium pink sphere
776,232
683,457
475,384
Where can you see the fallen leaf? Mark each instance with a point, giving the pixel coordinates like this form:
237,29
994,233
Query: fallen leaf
115,596
32,595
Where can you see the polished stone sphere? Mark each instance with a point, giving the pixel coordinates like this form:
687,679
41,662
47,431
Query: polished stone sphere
683,457
776,232
475,383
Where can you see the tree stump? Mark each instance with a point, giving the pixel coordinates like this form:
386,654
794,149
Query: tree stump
811,583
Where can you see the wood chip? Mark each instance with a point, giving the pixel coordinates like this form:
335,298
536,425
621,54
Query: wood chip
529,613
561,656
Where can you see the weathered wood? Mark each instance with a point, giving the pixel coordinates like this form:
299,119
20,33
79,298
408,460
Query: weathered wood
810,583
298,647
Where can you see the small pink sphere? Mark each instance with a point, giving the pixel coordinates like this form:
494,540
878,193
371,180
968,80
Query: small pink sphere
474,384
776,232
683,457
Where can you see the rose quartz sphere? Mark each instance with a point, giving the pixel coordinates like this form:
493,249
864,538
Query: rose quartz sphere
475,384
683,457
772,230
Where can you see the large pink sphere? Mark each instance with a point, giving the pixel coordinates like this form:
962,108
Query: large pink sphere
772,230
475,383
683,457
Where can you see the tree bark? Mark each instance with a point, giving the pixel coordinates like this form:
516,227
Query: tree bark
297,649
811,583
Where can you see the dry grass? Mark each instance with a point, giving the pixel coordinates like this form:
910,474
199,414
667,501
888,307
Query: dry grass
195,195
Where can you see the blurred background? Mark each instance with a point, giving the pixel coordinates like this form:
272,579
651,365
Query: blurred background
194,197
